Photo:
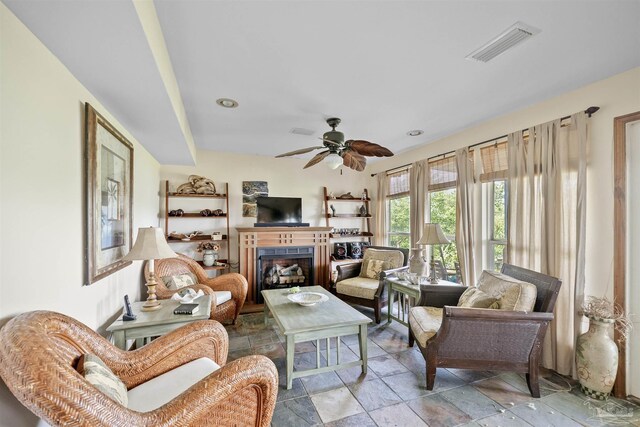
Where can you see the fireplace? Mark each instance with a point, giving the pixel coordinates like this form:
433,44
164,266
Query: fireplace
283,267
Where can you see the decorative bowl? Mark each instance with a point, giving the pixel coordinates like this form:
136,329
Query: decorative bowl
307,299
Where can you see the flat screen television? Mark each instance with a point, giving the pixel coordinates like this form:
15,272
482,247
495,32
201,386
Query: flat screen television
279,211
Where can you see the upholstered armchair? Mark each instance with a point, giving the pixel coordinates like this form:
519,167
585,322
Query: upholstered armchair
363,283
179,379
229,290
506,337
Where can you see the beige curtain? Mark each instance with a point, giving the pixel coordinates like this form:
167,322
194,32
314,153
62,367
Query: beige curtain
418,195
547,210
468,227
380,220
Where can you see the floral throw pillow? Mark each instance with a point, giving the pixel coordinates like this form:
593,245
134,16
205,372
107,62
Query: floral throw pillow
179,281
371,268
101,377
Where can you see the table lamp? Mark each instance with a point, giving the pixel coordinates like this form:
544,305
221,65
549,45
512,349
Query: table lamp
432,235
150,245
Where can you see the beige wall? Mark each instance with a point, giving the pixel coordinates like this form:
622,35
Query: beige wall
286,178
615,96
42,178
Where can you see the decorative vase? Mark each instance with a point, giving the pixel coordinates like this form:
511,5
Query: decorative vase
597,359
209,257
417,262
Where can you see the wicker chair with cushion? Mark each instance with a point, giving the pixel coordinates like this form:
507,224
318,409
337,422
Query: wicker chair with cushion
363,283
180,379
229,290
498,325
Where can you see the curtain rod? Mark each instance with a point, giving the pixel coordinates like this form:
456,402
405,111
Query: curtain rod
589,111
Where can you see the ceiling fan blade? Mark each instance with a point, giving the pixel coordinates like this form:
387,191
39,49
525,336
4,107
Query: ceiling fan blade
354,160
317,159
300,151
367,148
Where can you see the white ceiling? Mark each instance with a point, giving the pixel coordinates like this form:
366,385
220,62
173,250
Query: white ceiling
384,67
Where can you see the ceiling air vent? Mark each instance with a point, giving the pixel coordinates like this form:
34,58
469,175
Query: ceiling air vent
513,35
302,131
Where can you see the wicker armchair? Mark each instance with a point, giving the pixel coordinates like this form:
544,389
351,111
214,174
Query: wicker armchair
484,339
39,351
378,297
233,282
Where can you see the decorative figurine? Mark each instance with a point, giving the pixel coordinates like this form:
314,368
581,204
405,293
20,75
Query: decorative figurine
333,210
363,211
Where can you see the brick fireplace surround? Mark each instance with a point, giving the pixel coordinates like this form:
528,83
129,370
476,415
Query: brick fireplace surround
252,238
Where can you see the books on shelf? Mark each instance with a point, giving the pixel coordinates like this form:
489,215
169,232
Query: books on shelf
186,309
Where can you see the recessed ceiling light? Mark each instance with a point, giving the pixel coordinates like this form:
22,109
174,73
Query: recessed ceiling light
415,132
227,103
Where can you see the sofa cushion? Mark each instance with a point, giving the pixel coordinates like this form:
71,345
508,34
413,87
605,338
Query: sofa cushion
359,287
101,377
512,294
425,323
179,281
475,298
222,297
166,387
390,259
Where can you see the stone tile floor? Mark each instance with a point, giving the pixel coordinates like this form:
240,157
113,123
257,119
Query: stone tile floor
393,393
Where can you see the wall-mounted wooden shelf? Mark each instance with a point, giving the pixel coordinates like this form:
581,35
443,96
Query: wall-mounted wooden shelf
348,216
196,215
214,267
204,196
221,203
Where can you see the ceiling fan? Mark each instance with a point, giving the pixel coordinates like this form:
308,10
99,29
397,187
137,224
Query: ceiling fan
350,153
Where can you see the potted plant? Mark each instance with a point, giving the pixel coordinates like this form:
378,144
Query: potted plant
596,352
210,251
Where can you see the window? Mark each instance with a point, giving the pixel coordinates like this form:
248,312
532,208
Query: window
398,210
399,222
442,210
497,224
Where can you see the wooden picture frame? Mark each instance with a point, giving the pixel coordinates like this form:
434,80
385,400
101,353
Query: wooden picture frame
109,196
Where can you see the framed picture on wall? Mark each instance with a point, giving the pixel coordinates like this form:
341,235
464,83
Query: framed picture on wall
109,196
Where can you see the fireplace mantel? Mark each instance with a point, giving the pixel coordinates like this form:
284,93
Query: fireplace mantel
251,238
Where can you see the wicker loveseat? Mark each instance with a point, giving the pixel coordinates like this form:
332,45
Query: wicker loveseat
352,287
484,339
39,352
229,290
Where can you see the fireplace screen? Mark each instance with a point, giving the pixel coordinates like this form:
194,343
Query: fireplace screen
284,268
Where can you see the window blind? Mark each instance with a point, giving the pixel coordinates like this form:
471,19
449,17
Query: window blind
442,174
398,184
494,162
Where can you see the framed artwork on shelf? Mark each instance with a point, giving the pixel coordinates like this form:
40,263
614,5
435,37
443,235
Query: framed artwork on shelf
250,191
109,197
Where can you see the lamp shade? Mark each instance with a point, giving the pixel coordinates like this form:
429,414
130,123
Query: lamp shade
150,244
432,235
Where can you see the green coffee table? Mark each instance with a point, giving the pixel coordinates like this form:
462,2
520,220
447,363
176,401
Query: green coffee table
333,318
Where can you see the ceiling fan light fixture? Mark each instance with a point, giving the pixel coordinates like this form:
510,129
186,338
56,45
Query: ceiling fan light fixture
415,132
333,161
227,102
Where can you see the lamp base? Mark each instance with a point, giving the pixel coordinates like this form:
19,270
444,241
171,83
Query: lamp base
433,277
152,302
151,306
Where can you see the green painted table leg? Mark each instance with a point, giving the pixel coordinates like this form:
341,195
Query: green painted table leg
363,347
119,339
389,302
291,346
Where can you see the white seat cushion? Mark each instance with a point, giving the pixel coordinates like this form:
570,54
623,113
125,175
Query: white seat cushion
166,387
222,297
425,322
358,287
